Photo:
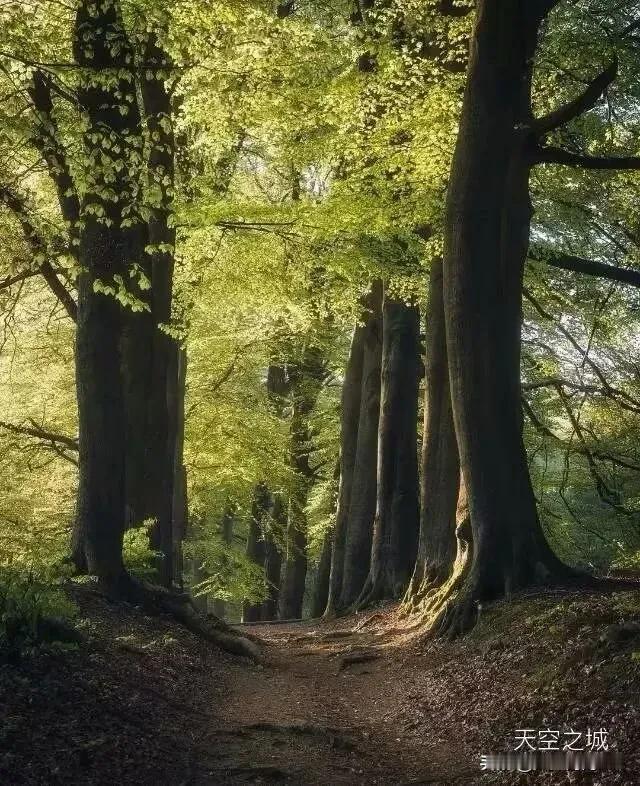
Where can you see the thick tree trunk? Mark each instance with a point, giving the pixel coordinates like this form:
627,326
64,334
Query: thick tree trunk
362,507
321,586
255,549
306,380
273,558
349,419
137,340
106,250
487,231
440,477
163,417
395,531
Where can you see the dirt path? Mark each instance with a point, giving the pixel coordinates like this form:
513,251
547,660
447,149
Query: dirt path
359,701
323,712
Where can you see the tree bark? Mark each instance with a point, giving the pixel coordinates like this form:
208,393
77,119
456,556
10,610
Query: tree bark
349,419
137,364
179,505
255,549
487,232
163,417
440,478
357,552
104,252
321,586
396,524
306,380
273,558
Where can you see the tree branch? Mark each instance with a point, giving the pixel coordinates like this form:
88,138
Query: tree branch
573,109
587,266
556,155
623,399
552,382
48,144
59,442
59,290
9,281
38,247
547,432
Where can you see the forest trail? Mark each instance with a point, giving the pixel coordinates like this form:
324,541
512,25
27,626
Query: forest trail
325,710
362,700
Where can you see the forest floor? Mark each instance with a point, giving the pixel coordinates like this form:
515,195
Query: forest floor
363,700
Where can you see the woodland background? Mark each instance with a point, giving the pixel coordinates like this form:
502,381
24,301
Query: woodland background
296,155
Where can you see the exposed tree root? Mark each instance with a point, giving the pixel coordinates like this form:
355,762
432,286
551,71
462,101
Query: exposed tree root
358,657
159,600
337,634
454,607
421,587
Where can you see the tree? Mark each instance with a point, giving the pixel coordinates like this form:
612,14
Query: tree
440,475
395,528
256,544
362,503
106,251
349,421
486,242
306,379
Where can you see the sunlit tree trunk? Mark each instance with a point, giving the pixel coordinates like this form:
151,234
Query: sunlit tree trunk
395,530
362,504
440,477
349,419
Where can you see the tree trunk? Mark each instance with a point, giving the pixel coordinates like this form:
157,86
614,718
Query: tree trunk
226,535
163,417
349,418
306,380
487,231
440,478
137,363
106,250
395,531
180,506
273,558
357,551
255,550
321,586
